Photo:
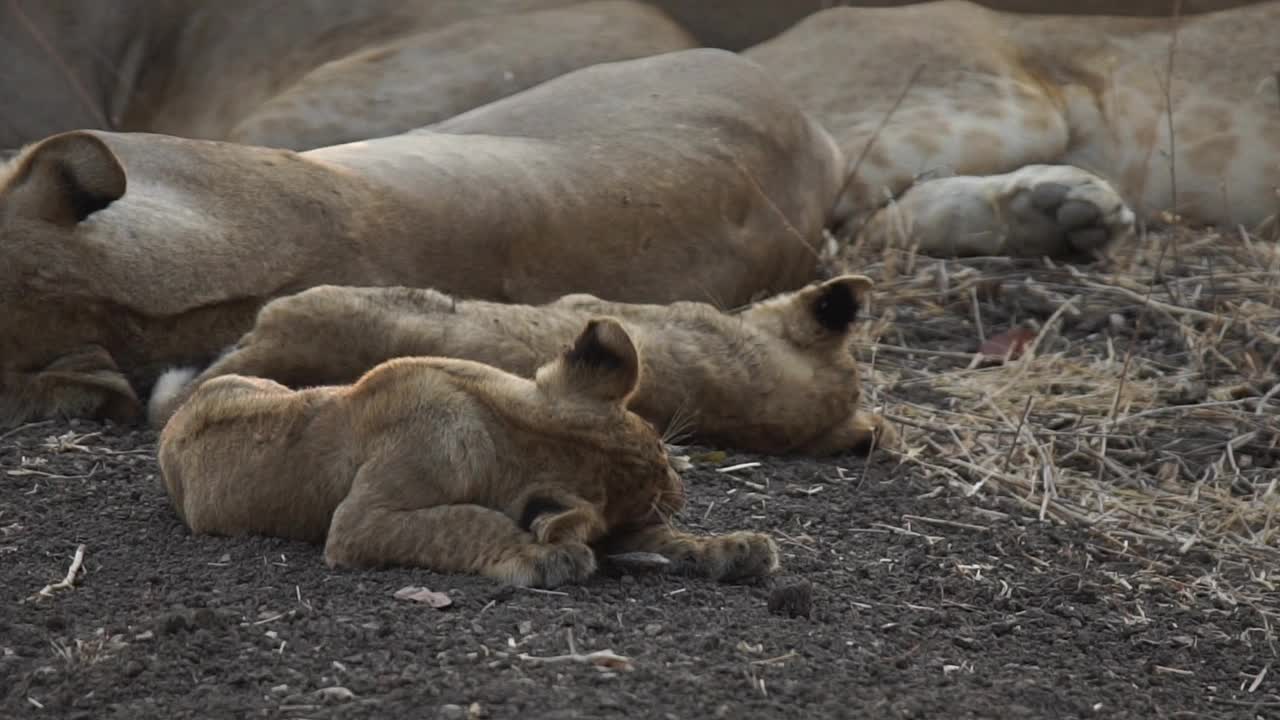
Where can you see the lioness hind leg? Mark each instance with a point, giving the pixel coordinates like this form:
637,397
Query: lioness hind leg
732,556
453,539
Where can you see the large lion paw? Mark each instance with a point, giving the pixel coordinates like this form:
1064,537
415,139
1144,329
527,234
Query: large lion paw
1037,210
1060,209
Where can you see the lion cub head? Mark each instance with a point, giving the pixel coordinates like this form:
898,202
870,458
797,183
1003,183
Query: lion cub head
587,390
778,377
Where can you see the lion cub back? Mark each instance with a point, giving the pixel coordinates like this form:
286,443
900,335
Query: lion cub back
249,455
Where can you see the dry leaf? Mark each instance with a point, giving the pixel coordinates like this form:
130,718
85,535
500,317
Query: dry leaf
1008,344
427,596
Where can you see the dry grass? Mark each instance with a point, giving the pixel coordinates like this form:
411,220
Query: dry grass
1147,408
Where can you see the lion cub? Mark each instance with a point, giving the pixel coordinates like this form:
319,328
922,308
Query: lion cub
450,465
776,378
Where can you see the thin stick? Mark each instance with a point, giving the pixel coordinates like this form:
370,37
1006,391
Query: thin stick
946,523
601,659
79,91
875,134
1168,103
22,428
67,582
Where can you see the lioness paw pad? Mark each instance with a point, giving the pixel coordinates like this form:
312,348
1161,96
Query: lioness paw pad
1080,209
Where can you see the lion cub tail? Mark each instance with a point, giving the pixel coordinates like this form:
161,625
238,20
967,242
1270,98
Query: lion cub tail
169,392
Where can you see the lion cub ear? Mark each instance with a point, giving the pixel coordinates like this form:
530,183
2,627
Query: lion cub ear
835,304
602,364
65,179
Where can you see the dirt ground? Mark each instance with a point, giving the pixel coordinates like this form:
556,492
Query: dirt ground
924,604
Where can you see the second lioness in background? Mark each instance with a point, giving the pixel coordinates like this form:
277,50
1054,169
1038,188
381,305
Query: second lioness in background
776,378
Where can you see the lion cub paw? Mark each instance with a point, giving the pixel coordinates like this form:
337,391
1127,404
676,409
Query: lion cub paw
549,566
738,556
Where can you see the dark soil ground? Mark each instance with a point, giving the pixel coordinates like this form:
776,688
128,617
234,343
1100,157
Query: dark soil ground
924,605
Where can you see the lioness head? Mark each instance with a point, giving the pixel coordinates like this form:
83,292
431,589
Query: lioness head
51,337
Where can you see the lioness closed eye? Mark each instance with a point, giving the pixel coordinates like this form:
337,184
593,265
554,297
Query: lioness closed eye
450,465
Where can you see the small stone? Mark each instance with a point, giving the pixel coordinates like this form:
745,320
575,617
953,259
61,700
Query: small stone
173,623
133,668
280,689
524,627
792,599
452,712
335,694
205,618
653,629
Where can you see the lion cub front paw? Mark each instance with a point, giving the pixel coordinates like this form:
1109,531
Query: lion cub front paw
738,556
549,566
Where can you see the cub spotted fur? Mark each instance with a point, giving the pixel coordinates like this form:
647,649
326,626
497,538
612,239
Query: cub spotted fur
450,465
776,378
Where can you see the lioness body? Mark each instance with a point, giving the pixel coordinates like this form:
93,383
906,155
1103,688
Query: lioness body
975,132
687,176
778,377
579,185
297,74
446,464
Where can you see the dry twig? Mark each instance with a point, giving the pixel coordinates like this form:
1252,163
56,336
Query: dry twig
67,582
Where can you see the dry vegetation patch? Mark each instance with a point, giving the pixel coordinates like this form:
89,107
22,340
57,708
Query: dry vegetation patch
1138,395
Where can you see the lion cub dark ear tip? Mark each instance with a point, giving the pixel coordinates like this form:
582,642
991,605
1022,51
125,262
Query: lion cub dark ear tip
590,350
837,307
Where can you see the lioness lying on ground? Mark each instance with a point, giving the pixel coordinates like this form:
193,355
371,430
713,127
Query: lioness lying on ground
125,253
974,132
777,377
450,465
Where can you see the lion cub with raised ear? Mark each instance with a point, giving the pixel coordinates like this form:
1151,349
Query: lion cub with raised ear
450,465
776,378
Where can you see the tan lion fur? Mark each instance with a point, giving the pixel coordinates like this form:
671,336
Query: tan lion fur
1008,134
777,377
147,250
300,74
450,465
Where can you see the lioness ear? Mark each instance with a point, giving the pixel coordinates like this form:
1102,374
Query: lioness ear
835,304
65,179
602,363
